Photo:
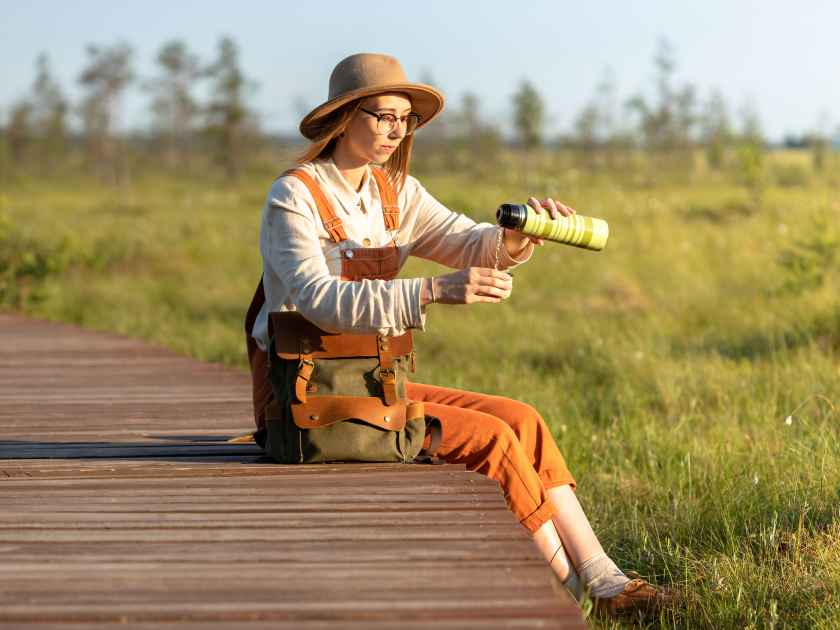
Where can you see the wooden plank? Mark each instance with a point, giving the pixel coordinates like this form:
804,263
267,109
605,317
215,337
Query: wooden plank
90,451
463,613
79,521
316,552
208,466
430,533
420,478
123,504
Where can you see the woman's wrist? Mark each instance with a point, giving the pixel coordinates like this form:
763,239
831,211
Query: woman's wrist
515,243
427,292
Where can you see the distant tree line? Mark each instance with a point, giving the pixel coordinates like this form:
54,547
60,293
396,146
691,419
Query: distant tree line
669,126
37,135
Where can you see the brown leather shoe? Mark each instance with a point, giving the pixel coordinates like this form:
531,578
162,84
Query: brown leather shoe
638,596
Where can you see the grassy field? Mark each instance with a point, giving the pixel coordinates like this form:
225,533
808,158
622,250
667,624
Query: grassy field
689,372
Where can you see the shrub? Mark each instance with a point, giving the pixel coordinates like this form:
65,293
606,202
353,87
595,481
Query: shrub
25,262
791,175
809,259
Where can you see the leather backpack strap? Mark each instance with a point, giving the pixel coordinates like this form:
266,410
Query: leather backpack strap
251,317
332,223
390,206
387,372
305,368
257,359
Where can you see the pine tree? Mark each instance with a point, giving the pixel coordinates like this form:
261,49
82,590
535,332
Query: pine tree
529,115
716,130
19,133
667,125
481,139
173,105
49,116
106,77
229,121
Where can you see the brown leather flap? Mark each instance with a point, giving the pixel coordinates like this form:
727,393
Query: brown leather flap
293,334
321,411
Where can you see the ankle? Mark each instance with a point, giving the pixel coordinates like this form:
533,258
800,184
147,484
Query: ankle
601,577
560,564
574,585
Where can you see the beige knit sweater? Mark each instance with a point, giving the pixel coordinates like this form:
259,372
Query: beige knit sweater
302,265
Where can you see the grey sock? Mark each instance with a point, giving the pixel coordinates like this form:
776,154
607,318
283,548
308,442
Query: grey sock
601,577
573,584
572,581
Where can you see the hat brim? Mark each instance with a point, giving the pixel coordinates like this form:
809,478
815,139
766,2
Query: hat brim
425,100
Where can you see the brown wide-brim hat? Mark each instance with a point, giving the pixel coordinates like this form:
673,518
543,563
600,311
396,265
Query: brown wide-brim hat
366,74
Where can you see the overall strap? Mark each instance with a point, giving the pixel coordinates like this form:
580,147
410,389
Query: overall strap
390,207
332,222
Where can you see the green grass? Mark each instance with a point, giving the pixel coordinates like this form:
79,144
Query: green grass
689,372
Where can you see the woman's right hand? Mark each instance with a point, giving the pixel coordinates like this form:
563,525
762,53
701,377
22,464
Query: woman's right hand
468,286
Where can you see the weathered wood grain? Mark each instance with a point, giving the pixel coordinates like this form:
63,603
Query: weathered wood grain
123,504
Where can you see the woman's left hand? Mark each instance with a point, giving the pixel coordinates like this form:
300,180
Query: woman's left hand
515,241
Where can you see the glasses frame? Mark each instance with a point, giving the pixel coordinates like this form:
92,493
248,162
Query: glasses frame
397,120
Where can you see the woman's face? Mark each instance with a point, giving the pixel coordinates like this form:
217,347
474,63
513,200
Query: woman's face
362,139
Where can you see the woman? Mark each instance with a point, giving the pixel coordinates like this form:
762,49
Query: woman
369,118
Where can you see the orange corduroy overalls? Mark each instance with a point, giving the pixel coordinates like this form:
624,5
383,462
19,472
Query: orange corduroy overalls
501,438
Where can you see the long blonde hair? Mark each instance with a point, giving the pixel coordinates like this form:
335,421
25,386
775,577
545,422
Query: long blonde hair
335,123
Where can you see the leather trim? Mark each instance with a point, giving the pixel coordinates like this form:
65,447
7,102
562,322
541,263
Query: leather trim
293,335
322,411
305,369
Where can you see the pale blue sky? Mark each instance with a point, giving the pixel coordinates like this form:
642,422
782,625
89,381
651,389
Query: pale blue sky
784,57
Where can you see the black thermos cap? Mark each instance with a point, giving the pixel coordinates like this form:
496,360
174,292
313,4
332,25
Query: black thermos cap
511,215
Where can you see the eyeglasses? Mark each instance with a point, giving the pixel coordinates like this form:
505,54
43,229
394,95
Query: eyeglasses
386,123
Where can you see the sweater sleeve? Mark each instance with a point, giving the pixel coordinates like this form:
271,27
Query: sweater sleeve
453,239
296,250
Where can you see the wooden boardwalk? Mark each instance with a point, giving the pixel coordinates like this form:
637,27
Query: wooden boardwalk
123,504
